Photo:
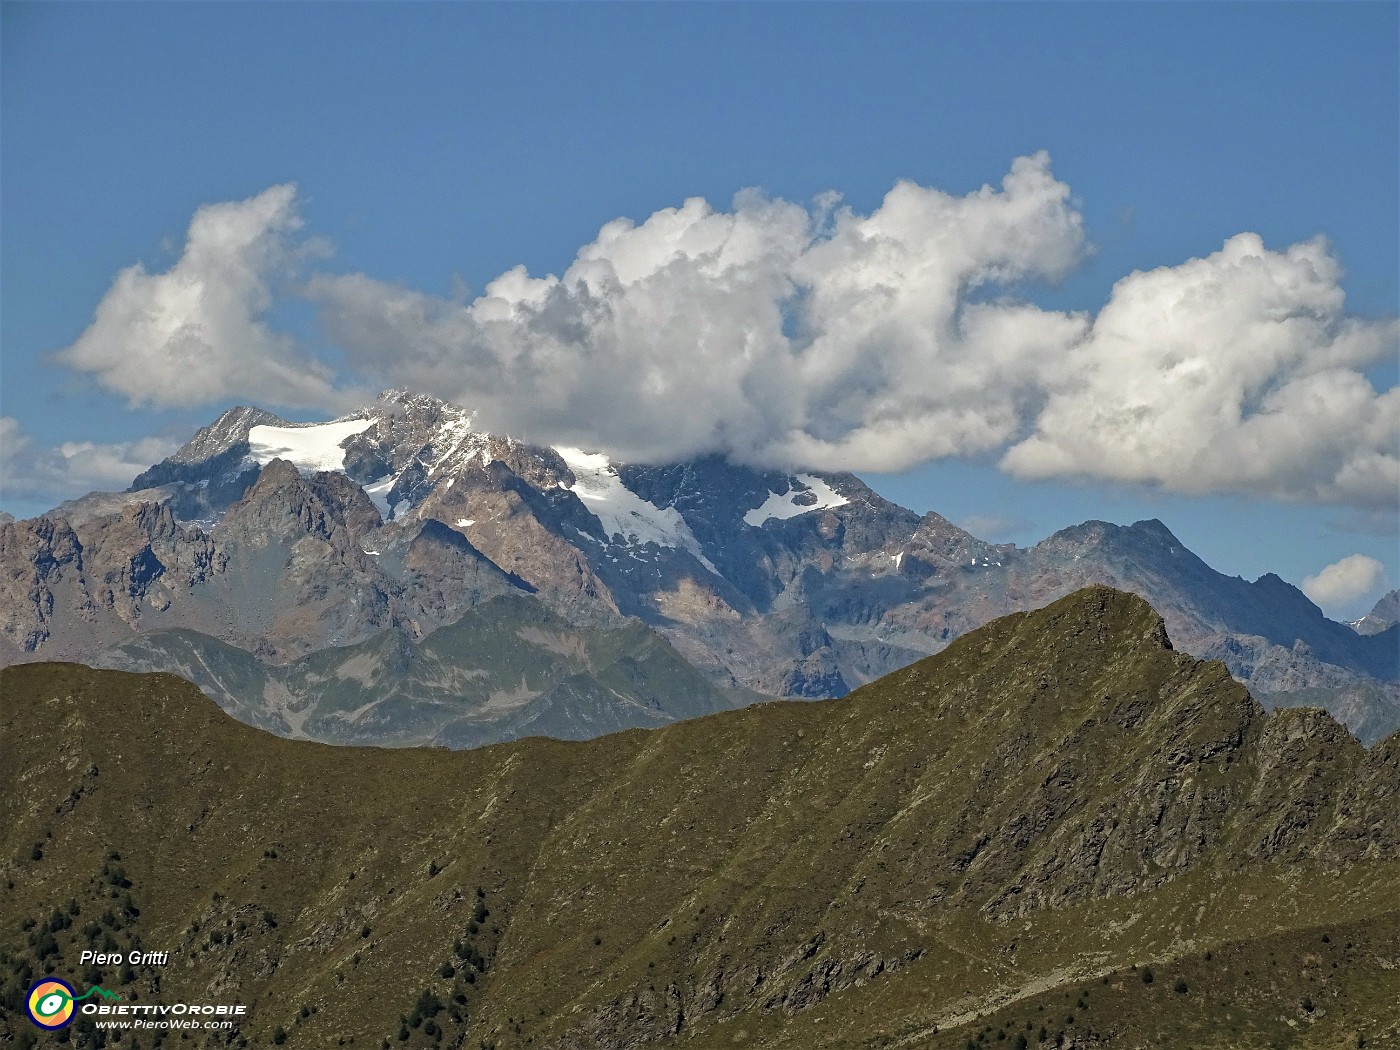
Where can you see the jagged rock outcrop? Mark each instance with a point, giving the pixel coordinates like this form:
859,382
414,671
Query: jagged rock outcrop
1383,615
285,573
67,588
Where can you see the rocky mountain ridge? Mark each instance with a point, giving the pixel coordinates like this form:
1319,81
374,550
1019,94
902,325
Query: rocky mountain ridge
402,516
1383,615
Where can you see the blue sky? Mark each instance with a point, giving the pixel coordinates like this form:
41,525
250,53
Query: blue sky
435,147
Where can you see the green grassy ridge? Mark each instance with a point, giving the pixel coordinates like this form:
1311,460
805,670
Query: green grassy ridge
1060,780
1327,986
979,973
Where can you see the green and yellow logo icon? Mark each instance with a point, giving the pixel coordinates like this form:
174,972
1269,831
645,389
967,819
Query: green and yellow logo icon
50,1002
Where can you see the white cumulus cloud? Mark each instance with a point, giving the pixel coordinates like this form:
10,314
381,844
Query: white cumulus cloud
817,337
1239,372
195,333
1344,583
31,472
812,336
775,333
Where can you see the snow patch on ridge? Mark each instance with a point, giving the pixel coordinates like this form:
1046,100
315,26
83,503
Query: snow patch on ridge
378,493
786,506
623,514
452,436
309,448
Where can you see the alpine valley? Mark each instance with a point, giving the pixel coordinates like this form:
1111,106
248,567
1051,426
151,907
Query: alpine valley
398,576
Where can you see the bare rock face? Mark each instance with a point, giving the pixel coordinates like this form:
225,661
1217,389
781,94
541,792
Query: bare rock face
524,532
299,579
448,575
1383,615
137,559
286,572
38,555
283,504
347,501
72,586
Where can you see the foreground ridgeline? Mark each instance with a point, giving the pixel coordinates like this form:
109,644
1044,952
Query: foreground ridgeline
265,557
1057,832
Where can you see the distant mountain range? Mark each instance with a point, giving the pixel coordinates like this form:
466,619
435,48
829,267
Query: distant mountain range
508,668
283,540
1056,833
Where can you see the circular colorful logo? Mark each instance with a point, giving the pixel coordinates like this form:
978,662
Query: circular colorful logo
50,1004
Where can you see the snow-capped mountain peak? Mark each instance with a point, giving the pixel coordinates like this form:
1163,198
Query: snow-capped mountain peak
625,516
